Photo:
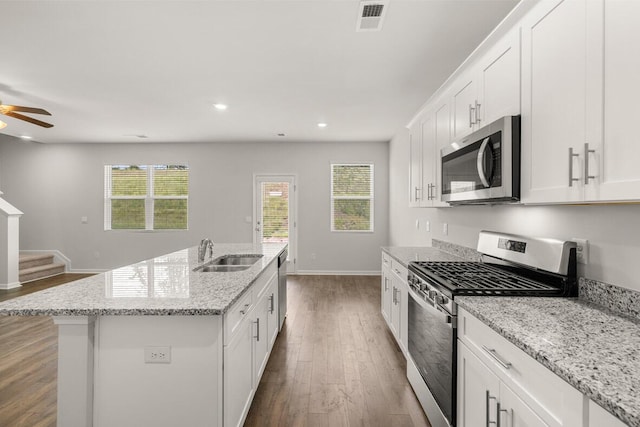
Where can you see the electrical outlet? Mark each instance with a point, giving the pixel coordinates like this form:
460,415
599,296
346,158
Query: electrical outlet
445,229
157,354
427,226
582,250
84,220
313,255
417,224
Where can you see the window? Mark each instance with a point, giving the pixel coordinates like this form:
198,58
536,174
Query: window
146,197
351,197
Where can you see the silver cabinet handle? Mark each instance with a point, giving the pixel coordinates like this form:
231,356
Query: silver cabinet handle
244,310
257,322
487,400
471,114
395,298
416,198
587,177
477,112
492,352
499,412
571,156
386,284
271,304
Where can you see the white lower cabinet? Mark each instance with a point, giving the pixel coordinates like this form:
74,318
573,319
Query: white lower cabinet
386,288
254,324
482,396
503,386
395,299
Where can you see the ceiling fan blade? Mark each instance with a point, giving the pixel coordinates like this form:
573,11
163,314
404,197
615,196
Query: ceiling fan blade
28,119
7,108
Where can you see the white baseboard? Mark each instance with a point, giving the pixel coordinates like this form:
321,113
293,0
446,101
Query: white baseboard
7,286
334,273
86,270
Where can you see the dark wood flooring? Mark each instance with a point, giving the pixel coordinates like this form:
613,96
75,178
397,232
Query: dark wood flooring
335,363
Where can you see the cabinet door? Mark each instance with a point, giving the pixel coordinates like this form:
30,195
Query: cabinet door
513,412
464,100
553,100
428,159
395,309
500,80
615,163
403,297
272,313
443,139
415,164
478,390
260,337
385,291
238,375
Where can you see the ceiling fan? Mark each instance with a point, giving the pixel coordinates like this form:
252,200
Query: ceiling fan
15,110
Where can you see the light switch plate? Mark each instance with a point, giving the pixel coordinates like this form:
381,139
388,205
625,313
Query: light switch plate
445,229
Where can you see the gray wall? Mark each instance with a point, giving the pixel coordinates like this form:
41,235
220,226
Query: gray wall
57,184
613,231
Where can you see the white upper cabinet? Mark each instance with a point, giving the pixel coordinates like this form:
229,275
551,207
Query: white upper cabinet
491,88
614,162
578,101
415,164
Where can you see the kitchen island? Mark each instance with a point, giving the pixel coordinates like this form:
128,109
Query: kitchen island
146,344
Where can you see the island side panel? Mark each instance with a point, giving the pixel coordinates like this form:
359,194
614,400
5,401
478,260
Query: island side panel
75,370
186,391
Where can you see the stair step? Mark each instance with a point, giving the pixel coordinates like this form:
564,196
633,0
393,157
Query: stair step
40,271
29,261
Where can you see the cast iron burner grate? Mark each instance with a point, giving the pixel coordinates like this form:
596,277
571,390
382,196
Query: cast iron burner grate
476,278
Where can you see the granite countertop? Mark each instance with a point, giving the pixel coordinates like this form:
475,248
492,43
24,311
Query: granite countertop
404,255
165,285
590,347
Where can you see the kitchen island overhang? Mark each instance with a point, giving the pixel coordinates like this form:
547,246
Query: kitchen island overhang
106,322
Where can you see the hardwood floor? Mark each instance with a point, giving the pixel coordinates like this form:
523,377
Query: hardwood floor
29,362
335,363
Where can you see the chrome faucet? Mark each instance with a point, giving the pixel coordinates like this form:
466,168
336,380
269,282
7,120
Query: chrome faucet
202,249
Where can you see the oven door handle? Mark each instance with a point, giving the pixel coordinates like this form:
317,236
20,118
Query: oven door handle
485,175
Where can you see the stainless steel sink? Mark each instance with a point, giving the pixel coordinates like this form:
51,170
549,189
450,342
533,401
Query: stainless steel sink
240,259
222,268
229,263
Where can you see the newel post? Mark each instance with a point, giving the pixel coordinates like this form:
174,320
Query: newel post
9,244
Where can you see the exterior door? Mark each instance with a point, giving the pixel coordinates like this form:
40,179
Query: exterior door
274,220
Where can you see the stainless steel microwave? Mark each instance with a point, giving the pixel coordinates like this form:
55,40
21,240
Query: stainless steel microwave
484,167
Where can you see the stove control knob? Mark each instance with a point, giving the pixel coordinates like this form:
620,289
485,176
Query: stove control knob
441,300
432,294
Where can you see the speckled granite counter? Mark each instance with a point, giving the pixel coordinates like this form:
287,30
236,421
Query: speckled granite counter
165,285
419,253
593,349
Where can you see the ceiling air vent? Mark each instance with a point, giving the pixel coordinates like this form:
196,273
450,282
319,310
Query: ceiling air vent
370,15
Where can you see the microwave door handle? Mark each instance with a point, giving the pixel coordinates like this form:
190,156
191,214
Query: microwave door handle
480,164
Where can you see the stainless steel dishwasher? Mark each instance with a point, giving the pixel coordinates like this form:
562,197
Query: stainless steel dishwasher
282,287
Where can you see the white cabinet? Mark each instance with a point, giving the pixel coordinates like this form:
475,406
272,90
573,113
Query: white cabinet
385,290
238,375
424,162
490,89
578,103
251,326
616,150
482,396
395,299
521,391
598,417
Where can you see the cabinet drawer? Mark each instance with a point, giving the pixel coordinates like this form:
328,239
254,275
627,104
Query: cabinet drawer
552,398
236,314
261,283
399,270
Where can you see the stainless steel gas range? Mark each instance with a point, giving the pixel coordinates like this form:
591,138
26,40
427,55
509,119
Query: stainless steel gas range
511,265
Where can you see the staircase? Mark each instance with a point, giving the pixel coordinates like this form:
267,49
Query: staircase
37,266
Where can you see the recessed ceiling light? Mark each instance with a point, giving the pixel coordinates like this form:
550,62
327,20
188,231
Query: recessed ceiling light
26,137
220,106
2,124
322,125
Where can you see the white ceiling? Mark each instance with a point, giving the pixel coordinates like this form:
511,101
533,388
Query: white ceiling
108,70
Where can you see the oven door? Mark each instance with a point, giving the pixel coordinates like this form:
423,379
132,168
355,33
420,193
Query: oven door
432,346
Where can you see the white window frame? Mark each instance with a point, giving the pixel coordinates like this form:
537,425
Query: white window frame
149,199
371,198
